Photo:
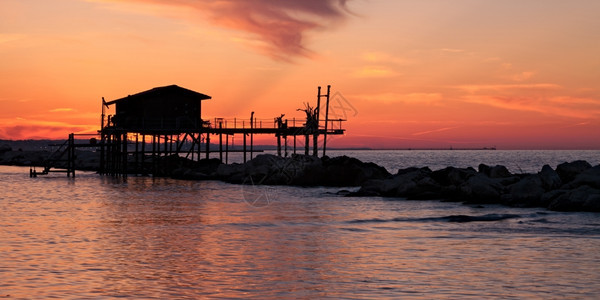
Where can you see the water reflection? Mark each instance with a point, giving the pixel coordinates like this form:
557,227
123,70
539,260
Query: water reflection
201,240
96,237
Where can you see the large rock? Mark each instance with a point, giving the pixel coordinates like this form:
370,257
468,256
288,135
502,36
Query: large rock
233,173
166,165
263,169
402,184
584,198
526,192
302,170
204,169
23,158
589,177
5,148
453,176
497,171
427,189
481,189
189,174
569,170
348,171
207,166
549,178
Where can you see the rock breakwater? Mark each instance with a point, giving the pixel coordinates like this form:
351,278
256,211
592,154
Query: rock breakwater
571,186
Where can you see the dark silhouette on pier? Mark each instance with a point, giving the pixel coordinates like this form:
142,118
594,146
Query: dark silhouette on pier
167,121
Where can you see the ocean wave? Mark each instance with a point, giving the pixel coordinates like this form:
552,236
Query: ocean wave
450,218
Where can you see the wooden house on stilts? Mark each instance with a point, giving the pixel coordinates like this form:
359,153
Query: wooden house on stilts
147,129
157,122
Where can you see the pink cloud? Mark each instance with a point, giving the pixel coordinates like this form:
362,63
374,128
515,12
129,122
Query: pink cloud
282,25
18,129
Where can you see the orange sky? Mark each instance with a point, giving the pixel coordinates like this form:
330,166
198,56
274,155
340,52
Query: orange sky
437,73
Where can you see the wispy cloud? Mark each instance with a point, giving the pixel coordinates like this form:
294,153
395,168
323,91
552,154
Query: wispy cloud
577,125
497,87
62,110
536,104
452,50
417,98
281,25
523,76
384,58
378,64
435,130
374,72
9,37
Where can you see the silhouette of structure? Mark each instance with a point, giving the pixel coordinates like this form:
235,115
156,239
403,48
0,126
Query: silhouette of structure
150,126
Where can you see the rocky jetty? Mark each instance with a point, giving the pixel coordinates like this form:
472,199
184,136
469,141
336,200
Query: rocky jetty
8,156
573,186
85,160
301,170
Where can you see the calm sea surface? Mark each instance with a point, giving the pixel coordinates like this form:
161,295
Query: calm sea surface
98,237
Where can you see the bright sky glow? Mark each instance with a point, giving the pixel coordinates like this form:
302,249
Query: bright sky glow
465,73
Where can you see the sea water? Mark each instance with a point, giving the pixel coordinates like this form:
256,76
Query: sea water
99,237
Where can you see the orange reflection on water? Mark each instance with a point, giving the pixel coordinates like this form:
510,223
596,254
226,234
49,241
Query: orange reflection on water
162,238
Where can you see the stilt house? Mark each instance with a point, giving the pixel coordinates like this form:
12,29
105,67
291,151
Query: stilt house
167,109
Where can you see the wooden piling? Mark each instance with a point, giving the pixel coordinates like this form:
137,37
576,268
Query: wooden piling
221,142
207,145
279,145
143,168
244,134
326,120
252,123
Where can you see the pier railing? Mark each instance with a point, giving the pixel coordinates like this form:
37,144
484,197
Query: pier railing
235,123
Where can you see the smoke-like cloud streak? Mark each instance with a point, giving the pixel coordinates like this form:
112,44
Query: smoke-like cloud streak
281,25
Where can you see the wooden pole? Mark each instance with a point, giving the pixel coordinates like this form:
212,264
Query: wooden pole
279,145
124,168
117,154
207,145
199,140
136,154
102,141
143,166
198,143
316,129
154,155
326,120
306,144
107,142
244,134
221,142
103,115
252,135
71,156
166,146
227,149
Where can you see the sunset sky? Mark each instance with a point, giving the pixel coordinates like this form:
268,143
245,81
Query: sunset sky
406,73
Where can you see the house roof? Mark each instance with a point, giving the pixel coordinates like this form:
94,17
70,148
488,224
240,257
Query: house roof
170,92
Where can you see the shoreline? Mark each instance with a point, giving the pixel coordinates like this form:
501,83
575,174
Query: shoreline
572,186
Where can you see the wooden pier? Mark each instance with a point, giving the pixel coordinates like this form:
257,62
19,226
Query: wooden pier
151,126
